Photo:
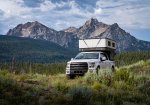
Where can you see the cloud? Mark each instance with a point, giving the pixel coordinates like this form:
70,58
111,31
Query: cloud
125,13
47,5
97,11
13,8
106,4
60,14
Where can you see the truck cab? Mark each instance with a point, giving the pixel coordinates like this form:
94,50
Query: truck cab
95,55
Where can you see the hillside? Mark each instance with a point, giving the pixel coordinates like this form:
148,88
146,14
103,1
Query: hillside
129,85
69,37
31,50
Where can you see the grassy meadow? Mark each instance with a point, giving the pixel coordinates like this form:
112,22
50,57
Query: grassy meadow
129,85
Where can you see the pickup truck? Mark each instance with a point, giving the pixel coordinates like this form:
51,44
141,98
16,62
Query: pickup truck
88,62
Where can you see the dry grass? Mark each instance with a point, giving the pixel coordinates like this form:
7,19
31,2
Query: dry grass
129,84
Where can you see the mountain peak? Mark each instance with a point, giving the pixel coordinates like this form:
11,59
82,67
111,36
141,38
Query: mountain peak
70,29
30,29
115,25
92,21
36,23
92,27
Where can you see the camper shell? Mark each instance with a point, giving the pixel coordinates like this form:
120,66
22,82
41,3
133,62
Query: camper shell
103,45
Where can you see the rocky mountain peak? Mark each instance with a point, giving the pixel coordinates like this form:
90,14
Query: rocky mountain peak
28,24
30,29
114,32
70,29
91,28
91,22
36,23
19,25
115,26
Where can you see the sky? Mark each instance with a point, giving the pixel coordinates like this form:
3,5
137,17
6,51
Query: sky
131,15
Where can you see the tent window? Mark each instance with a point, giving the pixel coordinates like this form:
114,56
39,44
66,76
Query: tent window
109,43
113,44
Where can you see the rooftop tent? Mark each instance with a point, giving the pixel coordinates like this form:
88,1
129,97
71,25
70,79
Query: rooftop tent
104,45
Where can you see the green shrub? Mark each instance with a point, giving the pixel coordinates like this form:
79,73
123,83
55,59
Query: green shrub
97,86
135,97
61,87
104,77
141,80
24,77
122,75
107,96
145,88
122,85
90,78
80,95
3,72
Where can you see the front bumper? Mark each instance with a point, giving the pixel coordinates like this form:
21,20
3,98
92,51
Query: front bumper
92,70
75,72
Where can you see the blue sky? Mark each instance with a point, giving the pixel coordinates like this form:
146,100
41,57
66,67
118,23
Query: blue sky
131,15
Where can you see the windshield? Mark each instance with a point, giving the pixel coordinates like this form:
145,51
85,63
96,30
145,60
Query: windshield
87,56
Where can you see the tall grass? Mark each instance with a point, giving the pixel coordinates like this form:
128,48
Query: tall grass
52,68
129,85
128,58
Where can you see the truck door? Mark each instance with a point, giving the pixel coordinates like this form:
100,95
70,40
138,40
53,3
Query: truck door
104,61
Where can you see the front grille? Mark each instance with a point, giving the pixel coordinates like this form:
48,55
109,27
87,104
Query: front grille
79,67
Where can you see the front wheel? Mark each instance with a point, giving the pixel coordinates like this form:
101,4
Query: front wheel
113,69
70,76
97,70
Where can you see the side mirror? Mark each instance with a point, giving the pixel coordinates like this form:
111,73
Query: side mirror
103,58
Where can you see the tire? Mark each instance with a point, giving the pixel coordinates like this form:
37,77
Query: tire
113,69
70,76
97,70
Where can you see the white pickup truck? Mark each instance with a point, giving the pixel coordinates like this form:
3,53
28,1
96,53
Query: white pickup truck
94,56
88,61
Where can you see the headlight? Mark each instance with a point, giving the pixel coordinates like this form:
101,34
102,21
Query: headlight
92,65
68,65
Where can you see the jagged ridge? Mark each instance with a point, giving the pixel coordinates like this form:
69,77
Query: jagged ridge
91,29
37,30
